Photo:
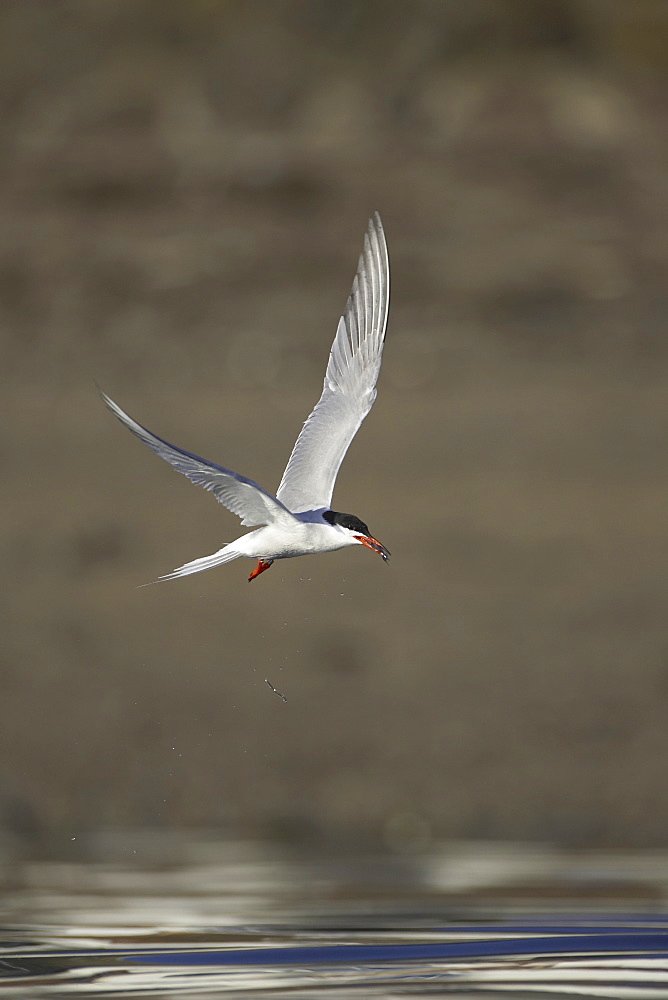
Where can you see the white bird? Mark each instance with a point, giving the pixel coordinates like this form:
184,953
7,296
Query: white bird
299,520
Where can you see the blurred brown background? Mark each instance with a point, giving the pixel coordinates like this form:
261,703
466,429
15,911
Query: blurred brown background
184,191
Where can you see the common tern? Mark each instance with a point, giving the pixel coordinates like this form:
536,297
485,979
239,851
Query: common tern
299,519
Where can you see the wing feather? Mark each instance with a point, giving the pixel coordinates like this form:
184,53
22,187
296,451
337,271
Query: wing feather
350,383
242,496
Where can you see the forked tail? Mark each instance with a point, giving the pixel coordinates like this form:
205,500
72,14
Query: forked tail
224,555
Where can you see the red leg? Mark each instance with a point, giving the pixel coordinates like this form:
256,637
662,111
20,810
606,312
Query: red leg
260,568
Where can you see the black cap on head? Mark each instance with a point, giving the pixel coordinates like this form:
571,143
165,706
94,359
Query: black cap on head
347,521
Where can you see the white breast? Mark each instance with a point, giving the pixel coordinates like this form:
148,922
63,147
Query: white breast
304,538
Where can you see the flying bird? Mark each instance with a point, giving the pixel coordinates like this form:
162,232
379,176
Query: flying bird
299,519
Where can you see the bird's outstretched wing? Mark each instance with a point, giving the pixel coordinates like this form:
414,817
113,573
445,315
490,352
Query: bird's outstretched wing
240,495
350,383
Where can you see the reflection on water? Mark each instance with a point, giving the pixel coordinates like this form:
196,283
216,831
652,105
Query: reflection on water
224,918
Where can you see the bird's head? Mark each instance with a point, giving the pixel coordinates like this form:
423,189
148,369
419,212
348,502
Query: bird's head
356,530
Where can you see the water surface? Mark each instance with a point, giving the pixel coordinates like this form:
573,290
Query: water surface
462,921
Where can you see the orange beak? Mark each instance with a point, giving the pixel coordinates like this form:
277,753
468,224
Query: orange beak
374,545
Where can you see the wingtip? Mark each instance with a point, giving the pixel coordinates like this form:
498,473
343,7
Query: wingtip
100,391
107,400
375,239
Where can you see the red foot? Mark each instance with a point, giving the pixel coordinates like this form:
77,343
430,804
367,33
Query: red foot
260,568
